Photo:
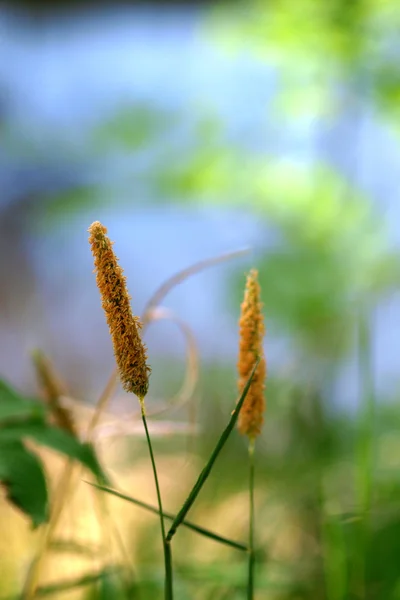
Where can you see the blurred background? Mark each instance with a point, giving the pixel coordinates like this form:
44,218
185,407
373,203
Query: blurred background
191,130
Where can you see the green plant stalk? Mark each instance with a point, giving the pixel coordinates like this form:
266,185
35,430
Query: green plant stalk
214,455
365,447
168,592
250,582
201,530
335,551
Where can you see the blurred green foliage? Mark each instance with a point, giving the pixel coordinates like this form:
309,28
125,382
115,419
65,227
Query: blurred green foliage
21,470
132,128
323,50
331,251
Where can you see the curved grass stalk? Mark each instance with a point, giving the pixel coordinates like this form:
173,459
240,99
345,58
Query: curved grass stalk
182,275
192,370
102,403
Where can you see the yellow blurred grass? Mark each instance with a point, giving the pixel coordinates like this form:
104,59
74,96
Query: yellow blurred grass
82,519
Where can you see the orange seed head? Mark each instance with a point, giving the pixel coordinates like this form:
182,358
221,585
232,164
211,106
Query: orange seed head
252,330
129,350
52,390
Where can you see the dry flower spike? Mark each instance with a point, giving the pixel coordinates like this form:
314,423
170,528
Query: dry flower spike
52,390
252,330
129,350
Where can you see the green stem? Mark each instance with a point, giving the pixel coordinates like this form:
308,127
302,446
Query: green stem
169,592
207,469
250,584
166,545
365,445
171,517
366,414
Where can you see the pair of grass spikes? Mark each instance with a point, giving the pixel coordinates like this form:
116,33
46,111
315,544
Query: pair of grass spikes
133,370
131,357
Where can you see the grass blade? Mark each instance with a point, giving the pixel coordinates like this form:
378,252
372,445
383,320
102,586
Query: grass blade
188,524
207,469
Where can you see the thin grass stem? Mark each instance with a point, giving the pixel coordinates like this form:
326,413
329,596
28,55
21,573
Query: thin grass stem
365,446
214,455
166,545
169,592
250,583
102,403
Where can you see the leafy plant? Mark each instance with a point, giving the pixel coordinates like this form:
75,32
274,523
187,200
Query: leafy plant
21,470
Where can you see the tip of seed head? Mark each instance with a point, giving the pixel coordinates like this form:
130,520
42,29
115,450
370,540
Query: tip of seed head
97,227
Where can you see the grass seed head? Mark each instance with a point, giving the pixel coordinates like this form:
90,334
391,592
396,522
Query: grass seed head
129,350
52,390
252,330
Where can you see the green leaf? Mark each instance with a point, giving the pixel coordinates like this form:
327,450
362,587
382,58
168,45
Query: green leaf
21,472
57,439
12,405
